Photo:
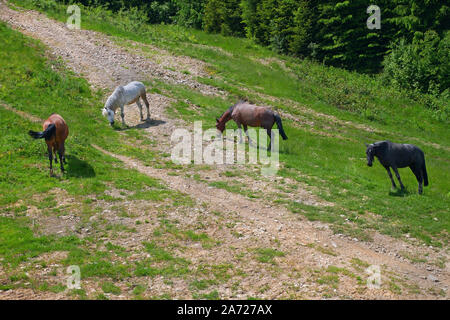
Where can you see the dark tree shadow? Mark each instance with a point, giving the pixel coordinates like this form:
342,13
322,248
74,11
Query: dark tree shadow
78,168
144,125
400,193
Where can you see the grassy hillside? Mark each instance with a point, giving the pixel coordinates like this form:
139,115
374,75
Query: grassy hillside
326,153
31,83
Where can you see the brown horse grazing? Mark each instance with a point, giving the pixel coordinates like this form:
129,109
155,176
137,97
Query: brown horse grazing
55,134
246,114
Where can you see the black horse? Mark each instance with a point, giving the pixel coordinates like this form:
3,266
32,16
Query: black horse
399,156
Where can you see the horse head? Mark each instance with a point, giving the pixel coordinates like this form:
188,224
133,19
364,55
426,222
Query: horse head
220,125
109,114
370,153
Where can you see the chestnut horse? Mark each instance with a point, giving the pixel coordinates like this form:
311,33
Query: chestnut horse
246,114
55,133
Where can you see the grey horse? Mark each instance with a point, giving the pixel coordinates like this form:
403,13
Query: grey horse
394,155
123,95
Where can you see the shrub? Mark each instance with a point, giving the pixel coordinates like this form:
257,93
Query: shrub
132,19
190,13
421,66
223,16
303,23
45,4
282,29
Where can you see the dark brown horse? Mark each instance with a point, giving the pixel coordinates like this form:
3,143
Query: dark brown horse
55,134
246,114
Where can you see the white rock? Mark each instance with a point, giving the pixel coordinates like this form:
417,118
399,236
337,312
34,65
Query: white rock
432,278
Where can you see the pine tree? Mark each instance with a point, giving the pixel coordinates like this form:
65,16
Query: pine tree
344,38
223,16
305,17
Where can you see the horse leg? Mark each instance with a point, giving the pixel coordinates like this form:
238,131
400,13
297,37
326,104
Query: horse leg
246,133
390,176
64,153
122,115
54,152
240,133
269,133
139,104
147,105
50,158
398,178
420,185
419,177
61,154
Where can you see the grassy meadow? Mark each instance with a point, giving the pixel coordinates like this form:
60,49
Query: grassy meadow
334,161
29,83
330,153
337,111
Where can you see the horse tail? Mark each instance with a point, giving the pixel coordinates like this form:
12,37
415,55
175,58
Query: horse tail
425,175
47,133
280,126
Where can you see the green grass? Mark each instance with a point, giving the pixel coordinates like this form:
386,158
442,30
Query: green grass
234,62
331,280
213,295
109,287
19,244
203,238
322,249
337,166
326,154
220,272
267,255
99,264
31,83
161,262
139,289
202,284
330,153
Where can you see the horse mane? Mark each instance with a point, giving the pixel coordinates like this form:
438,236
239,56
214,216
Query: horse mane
381,144
241,101
230,109
111,103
